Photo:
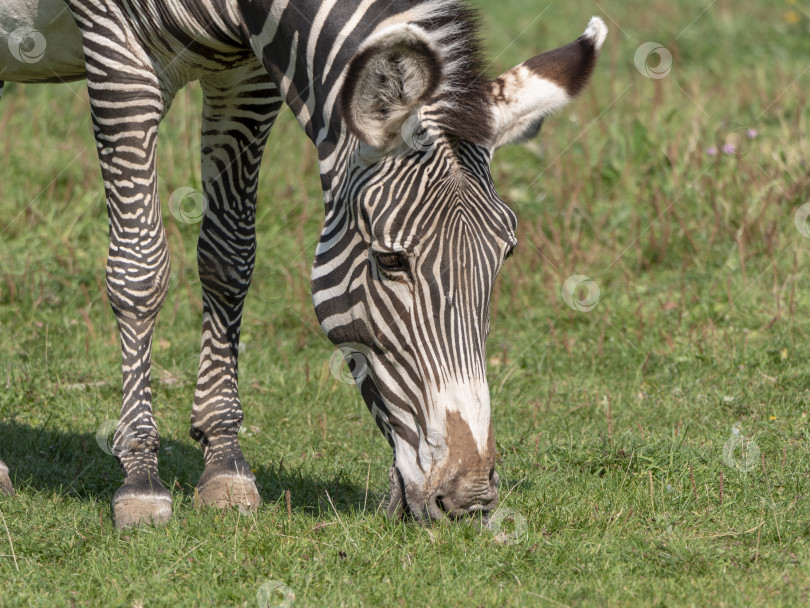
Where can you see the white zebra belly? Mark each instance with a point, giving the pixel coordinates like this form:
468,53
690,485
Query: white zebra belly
39,42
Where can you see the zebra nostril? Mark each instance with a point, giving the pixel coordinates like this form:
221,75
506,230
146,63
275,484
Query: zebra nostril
443,506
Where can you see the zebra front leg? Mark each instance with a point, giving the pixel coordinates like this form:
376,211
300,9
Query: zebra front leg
239,108
126,115
5,480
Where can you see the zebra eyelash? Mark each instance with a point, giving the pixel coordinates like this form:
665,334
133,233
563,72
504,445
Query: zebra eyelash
392,264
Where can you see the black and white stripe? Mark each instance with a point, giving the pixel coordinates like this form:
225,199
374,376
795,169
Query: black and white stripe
414,233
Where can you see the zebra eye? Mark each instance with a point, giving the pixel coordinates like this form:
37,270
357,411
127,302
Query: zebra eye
391,263
509,254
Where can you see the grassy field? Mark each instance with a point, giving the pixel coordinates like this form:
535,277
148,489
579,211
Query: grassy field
652,450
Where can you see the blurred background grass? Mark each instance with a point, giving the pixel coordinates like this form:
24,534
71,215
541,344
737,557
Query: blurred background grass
610,424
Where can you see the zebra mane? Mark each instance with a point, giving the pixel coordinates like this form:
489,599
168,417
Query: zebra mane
462,98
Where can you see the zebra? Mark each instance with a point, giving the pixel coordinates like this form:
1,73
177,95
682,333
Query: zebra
393,95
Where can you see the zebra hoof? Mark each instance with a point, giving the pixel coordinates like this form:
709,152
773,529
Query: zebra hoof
228,490
136,508
5,481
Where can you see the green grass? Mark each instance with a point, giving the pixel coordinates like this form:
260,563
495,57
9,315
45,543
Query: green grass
610,424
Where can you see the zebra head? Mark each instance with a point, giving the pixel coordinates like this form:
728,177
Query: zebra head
414,238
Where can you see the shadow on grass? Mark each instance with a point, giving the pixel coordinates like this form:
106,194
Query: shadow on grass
316,494
72,464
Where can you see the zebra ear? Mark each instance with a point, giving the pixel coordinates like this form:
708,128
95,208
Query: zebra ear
394,72
522,97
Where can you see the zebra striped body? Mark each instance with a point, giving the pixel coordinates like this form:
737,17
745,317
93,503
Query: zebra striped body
391,94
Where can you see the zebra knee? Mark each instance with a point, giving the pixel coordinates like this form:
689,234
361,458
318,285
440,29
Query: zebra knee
225,277
225,281
137,290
